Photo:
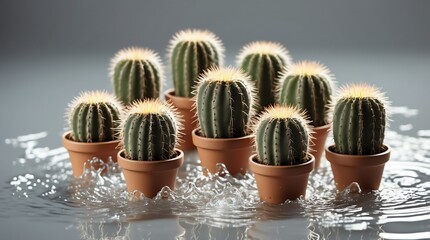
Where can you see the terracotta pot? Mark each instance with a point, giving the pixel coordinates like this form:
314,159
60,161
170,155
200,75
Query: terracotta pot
366,170
319,137
80,152
276,184
185,107
232,152
149,177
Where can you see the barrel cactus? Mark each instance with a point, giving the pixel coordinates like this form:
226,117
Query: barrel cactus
359,120
282,136
264,62
192,52
150,130
224,101
136,73
309,86
94,117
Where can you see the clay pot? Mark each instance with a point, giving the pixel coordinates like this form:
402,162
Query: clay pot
232,152
186,108
319,136
276,184
149,177
80,152
366,170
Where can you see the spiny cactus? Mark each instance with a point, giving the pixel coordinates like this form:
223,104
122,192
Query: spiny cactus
224,103
264,61
308,85
150,130
94,117
137,73
192,52
282,136
359,120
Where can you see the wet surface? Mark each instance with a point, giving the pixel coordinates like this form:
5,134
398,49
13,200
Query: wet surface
222,207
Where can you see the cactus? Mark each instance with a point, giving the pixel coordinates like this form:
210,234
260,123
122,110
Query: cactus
308,85
94,117
136,73
359,120
224,103
264,61
150,131
192,52
282,136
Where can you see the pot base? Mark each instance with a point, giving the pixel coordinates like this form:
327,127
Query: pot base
80,152
276,184
366,170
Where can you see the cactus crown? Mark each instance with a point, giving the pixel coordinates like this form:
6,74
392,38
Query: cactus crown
264,48
308,85
191,52
94,116
282,136
151,130
136,73
224,101
359,120
264,62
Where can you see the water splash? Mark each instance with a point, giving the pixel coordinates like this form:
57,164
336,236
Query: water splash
218,202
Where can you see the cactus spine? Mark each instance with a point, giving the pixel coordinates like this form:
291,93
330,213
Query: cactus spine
224,103
359,120
282,136
308,85
264,61
94,116
150,131
192,52
137,73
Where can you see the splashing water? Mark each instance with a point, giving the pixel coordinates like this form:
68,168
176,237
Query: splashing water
214,203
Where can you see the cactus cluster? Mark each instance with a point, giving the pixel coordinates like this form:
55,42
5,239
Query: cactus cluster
359,120
282,136
136,73
263,62
191,52
224,101
309,86
150,130
94,117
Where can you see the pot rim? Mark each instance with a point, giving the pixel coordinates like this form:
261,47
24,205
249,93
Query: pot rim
288,170
87,146
179,102
321,128
357,160
221,143
151,166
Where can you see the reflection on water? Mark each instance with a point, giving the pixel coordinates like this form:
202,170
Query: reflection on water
224,207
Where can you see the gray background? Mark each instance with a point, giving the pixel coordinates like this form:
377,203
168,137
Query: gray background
51,50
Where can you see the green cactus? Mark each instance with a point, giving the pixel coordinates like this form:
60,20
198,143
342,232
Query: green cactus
308,85
136,73
224,103
94,117
282,136
150,131
264,62
192,52
359,120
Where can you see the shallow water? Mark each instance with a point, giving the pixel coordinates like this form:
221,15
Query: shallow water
223,207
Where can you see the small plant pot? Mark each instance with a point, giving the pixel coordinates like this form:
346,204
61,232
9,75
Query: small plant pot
185,107
319,136
232,152
80,152
149,177
276,184
366,170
